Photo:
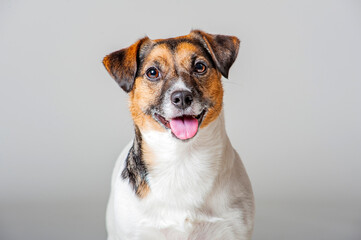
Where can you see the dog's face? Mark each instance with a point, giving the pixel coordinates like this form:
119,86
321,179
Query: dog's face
174,84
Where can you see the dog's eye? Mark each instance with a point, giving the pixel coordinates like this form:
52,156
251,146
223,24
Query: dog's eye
200,68
152,73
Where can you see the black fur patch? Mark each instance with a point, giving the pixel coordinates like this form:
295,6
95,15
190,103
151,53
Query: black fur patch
135,169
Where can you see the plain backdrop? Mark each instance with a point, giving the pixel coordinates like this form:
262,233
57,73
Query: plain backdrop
292,107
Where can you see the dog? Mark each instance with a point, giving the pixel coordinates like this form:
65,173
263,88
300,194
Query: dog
180,177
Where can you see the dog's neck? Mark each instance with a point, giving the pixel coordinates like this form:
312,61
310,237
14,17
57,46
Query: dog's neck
177,169
161,148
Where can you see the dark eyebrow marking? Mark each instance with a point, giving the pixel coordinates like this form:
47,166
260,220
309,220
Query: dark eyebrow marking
157,64
193,58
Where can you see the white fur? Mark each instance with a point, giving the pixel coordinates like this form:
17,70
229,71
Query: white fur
199,189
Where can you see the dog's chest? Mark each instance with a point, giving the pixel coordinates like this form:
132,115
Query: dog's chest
180,180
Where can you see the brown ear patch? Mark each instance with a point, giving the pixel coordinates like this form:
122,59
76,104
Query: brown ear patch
122,65
222,48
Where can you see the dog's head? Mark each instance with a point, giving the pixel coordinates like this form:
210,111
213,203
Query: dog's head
174,84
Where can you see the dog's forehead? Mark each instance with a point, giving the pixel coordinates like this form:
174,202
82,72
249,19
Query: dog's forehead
180,47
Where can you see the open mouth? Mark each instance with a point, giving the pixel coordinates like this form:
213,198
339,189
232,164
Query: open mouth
183,127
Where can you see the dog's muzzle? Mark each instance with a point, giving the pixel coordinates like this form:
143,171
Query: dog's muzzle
183,127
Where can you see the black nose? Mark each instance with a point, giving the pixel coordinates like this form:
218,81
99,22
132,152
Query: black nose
181,99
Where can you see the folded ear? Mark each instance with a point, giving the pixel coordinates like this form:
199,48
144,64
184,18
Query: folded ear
222,48
123,64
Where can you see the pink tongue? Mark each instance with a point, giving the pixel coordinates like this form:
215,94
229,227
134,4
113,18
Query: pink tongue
184,127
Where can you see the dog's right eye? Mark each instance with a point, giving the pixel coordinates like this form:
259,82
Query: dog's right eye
152,74
200,68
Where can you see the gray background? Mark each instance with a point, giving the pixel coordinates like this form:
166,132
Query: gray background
292,107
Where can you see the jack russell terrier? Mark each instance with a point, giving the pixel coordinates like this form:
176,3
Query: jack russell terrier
180,177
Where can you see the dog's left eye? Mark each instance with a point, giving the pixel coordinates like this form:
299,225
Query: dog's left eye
200,67
152,73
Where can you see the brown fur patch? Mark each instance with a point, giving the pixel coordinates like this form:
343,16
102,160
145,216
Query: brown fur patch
107,64
146,92
214,91
184,53
143,189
